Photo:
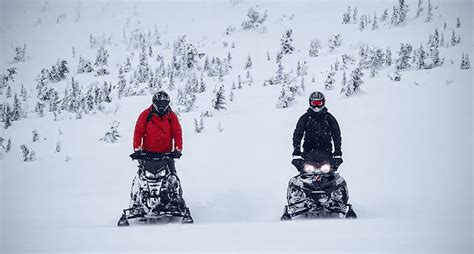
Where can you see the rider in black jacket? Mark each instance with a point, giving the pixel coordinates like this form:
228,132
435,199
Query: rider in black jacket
319,128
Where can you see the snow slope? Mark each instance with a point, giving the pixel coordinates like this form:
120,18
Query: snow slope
407,148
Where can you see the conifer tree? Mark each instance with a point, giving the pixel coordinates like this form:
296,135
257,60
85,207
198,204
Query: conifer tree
465,62
314,48
286,42
429,16
112,135
329,83
220,101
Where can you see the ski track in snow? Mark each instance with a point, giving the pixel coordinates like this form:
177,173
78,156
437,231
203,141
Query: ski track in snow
407,148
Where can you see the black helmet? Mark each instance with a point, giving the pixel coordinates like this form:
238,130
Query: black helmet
317,101
161,102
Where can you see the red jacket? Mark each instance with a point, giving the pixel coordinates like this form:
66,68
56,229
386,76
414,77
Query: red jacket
159,133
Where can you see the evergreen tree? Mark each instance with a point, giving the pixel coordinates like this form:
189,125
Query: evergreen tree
354,16
465,62
58,147
112,135
18,112
334,41
219,127
388,57
84,66
122,90
8,147
346,17
286,97
231,95
28,153
220,101
268,56
202,85
101,61
404,56
419,9
35,136
239,82
185,99
419,58
395,16
20,54
429,16
375,25
455,39
314,48
458,23
362,24
384,16
198,127
329,83
286,42
248,64
344,80
403,10
354,84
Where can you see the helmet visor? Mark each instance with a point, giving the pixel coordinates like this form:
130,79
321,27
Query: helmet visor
316,103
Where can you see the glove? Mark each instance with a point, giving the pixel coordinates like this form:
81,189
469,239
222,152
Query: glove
176,154
298,163
297,152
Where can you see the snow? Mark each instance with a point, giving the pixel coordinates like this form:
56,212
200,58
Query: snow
407,148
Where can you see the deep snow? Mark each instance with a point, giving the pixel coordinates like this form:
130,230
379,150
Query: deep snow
407,148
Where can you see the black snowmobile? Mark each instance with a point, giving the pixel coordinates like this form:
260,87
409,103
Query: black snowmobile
318,191
156,195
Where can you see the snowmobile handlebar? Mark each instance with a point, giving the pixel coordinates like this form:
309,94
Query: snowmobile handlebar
150,156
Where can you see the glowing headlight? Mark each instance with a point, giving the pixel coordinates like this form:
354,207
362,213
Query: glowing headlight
309,168
326,168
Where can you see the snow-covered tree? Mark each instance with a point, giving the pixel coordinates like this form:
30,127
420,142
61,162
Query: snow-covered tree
354,16
219,127
185,100
84,66
314,48
301,69
346,17
329,83
248,64
112,135
419,9
465,62
219,102
198,126
101,61
375,24
395,16
58,147
429,15
20,54
286,42
419,58
354,84
403,10
455,40
458,23
286,97
58,71
384,16
268,56
362,23
334,42
28,153
404,56
35,136
255,19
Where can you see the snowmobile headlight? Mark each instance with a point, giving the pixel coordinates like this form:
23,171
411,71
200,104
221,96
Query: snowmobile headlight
308,168
162,173
325,168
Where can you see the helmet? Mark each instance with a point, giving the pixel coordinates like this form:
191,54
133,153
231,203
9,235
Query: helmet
317,101
161,102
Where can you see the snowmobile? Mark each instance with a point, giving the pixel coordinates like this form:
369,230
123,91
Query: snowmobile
318,191
156,194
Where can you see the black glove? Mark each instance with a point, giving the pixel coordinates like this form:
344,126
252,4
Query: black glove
298,163
176,154
297,152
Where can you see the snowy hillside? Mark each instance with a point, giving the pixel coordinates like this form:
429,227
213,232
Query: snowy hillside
70,71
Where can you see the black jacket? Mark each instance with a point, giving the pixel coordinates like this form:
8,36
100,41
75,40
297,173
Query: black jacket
318,129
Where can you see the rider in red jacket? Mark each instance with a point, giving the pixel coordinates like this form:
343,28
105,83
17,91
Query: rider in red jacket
158,129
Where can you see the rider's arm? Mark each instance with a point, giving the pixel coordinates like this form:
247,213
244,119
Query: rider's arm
298,133
335,134
139,130
176,132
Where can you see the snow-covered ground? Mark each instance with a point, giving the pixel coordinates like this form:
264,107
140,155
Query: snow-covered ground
407,146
